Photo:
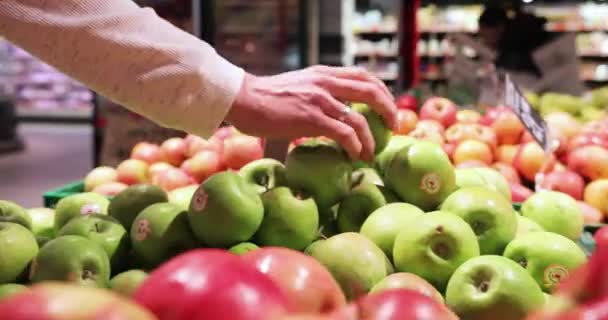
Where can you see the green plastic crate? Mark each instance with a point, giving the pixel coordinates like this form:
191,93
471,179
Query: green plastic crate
50,198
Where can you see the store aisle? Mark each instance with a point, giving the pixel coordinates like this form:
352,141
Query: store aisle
54,156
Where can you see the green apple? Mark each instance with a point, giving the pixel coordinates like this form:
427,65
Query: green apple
320,169
264,174
289,220
362,200
225,210
383,225
396,143
43,223
159,232
182,196
377,126
483,177
433,246
421,174
311,246
555,212
126,283
106,232
12,212
548,257
73,259
328,223
78,205
17,248
389,195
367,175
130,202
243,248
410,281
489,213
526,225
10,289
492,287
355,262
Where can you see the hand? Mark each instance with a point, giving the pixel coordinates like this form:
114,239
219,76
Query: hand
309,103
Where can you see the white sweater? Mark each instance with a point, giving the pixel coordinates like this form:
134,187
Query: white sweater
129,55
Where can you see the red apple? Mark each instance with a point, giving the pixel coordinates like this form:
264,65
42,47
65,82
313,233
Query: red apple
157,168
468,116
224,133
397,304
598,126
429,125
519,193
460,132
591,214
568,182
203,165
449,149
505,123
211,284
472,150
172,178
132,171
174,150
304,280
471,164
49,301
148,152
587,139
428,134
407,102
564,123
506,153
406,121
596,195
439,109
529,159
99,176
589,161
199,144
240,150
110,189
507,171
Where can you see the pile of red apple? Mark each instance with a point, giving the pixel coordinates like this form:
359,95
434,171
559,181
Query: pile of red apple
498,139
177,162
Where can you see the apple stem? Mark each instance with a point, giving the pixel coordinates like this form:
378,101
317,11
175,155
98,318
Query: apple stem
484,286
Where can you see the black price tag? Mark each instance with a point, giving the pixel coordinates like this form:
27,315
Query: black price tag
535,124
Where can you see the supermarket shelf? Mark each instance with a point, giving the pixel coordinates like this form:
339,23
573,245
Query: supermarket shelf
56,115
362,55
376,34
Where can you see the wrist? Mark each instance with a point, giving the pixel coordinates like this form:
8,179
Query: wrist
242,100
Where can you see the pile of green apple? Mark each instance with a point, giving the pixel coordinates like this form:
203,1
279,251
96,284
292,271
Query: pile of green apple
407,220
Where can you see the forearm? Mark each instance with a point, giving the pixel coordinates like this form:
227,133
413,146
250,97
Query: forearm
129,55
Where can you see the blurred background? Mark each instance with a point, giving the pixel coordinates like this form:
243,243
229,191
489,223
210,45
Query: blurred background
53,130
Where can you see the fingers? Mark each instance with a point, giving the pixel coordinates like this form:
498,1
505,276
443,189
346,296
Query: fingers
353,73
342,133
366,92
336,111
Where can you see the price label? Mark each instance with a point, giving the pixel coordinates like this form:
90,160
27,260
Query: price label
535,124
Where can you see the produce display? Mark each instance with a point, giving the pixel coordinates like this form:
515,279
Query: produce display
208,229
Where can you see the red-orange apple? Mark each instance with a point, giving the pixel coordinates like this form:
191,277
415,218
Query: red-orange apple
472,164
505,123
586,139
508,171
99,176
406,121
449,149
519,193
224,133
157,168
564,123
472,150
239,150
460,132
431,125
148,152
468,116
506,153
529,159
198,144
526,137
202,165
110,189
591,214
428,134
439,109
132,171
301,277
174,150
172,178
568,182
596,195
590,161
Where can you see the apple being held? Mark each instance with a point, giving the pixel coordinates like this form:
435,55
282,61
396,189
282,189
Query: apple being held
239,150
507,171
110,189
409,281
472,150
211,271
505,123
468,116
148,152
203,165
590,161
172,179
380,132
439,109
19,247
493,287
304,280
406,121
529,160
567,182
596,195
99,176
132,171
407,102
174,150
69,301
